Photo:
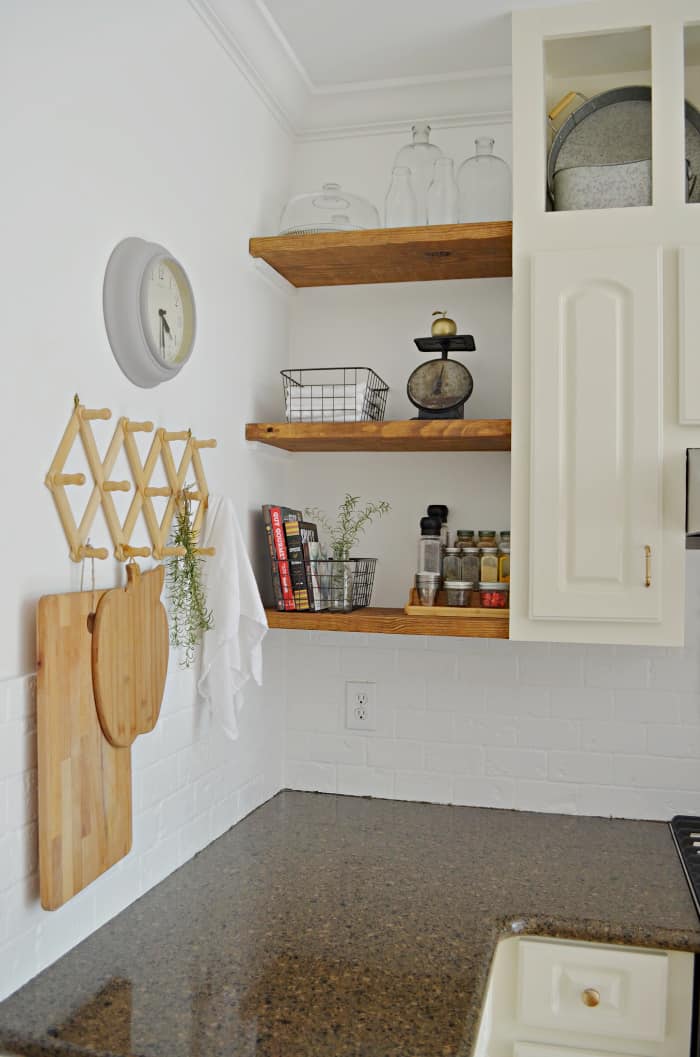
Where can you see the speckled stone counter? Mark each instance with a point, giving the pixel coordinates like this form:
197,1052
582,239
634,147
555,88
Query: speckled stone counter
326,926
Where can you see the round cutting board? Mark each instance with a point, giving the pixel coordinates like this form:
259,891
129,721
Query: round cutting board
130,648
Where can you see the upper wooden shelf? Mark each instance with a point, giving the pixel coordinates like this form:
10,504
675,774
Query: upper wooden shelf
490,434
391,255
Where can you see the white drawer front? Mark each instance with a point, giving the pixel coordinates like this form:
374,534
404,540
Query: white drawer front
626,989
537,1049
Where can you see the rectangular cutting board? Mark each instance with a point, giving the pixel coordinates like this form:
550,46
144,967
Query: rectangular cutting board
84,782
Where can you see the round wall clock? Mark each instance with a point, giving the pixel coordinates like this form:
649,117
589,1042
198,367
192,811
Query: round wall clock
149,312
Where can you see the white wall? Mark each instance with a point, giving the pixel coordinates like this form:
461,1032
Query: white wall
118,120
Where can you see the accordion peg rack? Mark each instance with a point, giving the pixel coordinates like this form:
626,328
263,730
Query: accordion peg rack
160,452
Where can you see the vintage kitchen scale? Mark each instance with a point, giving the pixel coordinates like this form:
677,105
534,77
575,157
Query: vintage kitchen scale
440,387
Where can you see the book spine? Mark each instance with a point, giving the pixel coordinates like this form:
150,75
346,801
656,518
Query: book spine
280,543
297,569
274,571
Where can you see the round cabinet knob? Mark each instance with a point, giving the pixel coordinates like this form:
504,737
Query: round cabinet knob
590,997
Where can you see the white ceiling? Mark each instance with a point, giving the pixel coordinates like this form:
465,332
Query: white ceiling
354,41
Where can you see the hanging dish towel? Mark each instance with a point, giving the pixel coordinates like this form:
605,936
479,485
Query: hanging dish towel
231,652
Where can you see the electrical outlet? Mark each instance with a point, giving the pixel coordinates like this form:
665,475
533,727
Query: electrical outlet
360,701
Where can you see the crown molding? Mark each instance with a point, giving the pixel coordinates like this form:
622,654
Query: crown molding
310,112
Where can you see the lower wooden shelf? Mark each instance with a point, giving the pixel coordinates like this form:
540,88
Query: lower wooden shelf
471,623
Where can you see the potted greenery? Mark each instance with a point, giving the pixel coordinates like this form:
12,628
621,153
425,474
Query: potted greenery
187,602
338,574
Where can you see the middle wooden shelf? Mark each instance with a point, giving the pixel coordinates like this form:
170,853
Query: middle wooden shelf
490,434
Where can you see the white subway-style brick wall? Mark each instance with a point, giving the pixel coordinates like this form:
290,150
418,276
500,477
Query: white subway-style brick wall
604,730
190,784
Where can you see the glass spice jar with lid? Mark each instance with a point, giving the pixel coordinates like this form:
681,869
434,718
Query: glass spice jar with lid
493,596
465,538
505,537
458,592
487,537
451,564
504,563
470,564
489,564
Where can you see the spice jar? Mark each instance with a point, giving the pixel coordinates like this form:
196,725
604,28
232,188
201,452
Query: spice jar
429,546
504,563
427,586
451,564
493,596
505,537
458,592
487,537
465,538
489,564
470,564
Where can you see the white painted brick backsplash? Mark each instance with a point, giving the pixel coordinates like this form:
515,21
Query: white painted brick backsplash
581,703
395,755
592,767
668,740
597,736
425,726
483,792
485,730
547,734
516,763
454,759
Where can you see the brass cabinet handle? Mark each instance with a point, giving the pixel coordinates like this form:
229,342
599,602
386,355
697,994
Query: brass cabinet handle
647,566
590,997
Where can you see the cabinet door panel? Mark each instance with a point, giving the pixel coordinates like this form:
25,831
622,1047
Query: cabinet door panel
596,435
689,335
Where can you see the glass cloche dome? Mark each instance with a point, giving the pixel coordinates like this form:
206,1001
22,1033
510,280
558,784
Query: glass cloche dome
330,209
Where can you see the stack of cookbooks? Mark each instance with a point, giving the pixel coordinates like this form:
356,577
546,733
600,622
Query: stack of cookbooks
294,555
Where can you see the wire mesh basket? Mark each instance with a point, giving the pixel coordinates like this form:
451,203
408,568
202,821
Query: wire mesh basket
335,585
334,394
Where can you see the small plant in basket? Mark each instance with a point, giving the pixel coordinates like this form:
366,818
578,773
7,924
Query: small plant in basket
350,523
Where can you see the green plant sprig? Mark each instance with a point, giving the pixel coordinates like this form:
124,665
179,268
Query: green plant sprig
350,522
189,616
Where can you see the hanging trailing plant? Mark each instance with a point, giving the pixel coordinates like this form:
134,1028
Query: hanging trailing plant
189,616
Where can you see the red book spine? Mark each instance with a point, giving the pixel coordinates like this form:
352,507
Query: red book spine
280,542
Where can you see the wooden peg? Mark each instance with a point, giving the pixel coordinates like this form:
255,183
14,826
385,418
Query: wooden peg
135,552
204,443
184,434
66,478
194,496
99,412
172,552
165,491
92,552
138,427
209,552
116,486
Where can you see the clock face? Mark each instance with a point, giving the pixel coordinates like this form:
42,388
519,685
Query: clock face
440,385
167,314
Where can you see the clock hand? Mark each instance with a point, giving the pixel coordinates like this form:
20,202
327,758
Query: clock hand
437,388
163,320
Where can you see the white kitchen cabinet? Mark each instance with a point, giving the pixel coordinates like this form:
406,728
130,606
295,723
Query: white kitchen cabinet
689,335
561,998
604,340
596,435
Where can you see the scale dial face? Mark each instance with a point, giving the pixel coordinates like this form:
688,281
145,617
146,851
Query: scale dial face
440,385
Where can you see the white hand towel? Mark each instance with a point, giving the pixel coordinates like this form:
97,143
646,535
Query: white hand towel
231,652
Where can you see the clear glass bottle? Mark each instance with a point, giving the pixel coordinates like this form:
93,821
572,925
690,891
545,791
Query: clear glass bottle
485,187
470,564
451,565
430,546
443,196
489,565
400,208
420,156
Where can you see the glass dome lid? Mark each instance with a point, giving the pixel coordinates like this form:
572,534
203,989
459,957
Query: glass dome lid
330,209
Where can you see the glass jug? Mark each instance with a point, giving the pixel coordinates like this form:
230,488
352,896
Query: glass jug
420,156
485,190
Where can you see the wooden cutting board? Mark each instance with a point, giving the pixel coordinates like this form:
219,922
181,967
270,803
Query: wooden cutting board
130,647
84,781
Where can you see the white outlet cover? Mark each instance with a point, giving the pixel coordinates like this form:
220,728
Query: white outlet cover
360,706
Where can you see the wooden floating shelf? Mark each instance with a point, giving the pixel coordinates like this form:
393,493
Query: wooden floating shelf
391,255
491,434
473,623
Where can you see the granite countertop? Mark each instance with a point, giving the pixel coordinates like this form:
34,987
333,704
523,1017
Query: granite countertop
327,926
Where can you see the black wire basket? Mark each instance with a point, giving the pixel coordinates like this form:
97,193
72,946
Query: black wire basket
334,394
340,586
